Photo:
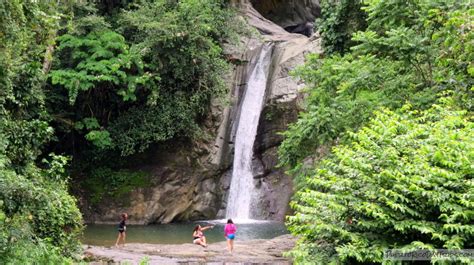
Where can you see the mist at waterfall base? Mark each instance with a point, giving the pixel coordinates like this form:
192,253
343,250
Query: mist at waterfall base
240,202
179,233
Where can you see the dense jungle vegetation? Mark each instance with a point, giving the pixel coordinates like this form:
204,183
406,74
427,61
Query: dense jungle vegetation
393,97
84,85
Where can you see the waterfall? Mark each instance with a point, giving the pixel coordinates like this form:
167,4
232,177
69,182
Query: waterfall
242,187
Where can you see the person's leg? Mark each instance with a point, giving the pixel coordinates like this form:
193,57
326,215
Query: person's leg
123,238
118,239
231,245
228,245
198,241
201,242
203,238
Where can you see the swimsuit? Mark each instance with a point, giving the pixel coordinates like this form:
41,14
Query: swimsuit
229,231
199,235
121,226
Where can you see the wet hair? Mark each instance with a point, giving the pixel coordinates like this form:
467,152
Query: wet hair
196,228
229,221
124,216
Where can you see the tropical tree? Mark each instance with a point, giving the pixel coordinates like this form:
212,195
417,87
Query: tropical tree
405,181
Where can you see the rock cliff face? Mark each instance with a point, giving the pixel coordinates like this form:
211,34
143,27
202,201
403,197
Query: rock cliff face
281,108
190,181
287,13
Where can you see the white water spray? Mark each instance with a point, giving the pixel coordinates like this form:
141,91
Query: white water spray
242,187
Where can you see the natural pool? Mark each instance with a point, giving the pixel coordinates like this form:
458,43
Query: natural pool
179,233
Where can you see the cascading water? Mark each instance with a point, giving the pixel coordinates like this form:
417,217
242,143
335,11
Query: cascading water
242,187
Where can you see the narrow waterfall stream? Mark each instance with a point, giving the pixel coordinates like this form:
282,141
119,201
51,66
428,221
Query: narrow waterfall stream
242,186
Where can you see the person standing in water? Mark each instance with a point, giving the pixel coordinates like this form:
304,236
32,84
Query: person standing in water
198,235
122,227
229,234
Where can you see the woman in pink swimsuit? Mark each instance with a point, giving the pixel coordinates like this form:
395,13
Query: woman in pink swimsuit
229,234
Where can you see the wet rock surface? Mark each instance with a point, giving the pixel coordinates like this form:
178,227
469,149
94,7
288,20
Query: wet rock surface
288,13
245,252
190,180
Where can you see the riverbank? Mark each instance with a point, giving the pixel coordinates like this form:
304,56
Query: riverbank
261,251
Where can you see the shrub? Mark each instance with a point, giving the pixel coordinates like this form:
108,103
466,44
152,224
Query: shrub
339,20
404,55
405,181
39,220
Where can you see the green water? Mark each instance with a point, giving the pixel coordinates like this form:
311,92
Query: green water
179,233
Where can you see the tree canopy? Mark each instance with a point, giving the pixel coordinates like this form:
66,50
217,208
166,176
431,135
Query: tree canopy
132,75
84,85
39,220
395,103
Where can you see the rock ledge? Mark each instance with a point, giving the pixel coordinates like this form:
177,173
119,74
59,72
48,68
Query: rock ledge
261,251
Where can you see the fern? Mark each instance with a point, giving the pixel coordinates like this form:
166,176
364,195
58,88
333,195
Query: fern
99,59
